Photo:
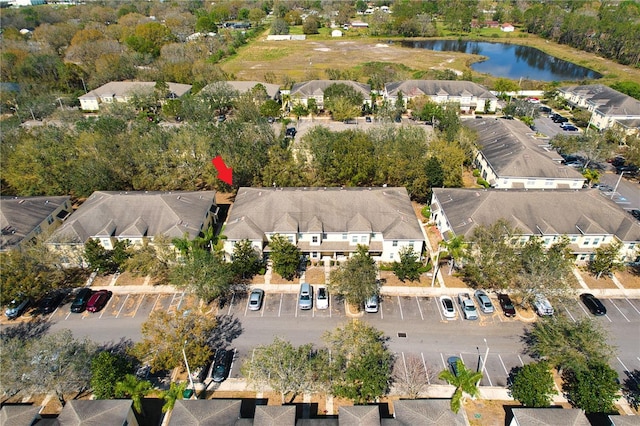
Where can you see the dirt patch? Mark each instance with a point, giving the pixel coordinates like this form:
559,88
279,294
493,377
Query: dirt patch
482,412
592,282
630,278
315,275
257,279
225,197
451,281
434,235
102,281
276,278
389,278
127,278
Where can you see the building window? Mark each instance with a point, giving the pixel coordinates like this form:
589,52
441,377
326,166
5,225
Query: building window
50,219
324,235
314,239
395,243
290,238
596,241
344,236
37,230
574,239
354,239
314,254
363,239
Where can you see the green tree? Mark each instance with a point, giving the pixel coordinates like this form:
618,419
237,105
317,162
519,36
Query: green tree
105,261
166,334
532,384
108,368
355,279
343,101
299,110
465,382
455,248
409,265
503,85
171,395
148,38
279,27
490,259
247,261
361,364
203,274
592,387
434,173
310,25
606,259
135,389
287,369
285,256
591,175
567,344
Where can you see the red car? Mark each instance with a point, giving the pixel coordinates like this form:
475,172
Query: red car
98,300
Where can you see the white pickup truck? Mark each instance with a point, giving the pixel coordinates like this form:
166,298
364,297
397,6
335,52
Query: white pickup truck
467,306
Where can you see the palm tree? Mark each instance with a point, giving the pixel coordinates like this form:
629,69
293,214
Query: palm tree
134,388
465,381
455,248
172,395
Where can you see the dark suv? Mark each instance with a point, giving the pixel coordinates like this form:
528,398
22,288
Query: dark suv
80,302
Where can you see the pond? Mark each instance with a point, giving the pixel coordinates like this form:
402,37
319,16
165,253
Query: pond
511,61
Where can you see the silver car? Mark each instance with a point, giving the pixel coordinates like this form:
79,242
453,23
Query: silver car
305,300
255,299
484,302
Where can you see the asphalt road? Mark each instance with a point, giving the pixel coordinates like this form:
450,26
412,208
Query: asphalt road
414,325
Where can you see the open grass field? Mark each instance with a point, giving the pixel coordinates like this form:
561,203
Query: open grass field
308,59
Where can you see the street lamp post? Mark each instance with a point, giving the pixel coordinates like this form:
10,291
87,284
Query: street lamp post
184,354
617,183
436,268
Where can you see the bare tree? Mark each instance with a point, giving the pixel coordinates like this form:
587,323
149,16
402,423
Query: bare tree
412,375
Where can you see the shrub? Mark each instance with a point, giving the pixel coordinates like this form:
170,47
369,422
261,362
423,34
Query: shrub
483,182
426,211
476,173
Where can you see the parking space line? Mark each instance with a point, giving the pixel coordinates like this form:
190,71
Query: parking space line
68,313
419,308
583,308
104,309
487,375
504,367
180,302
246,307
233,297
521,362
155,303
443,363
264,304
621,313
424,364
632,305
440,310
400,306
122,306
280,307
296,308
567,310
622,364
139,304
380,309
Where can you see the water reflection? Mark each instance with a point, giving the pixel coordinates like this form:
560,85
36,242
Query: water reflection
511,60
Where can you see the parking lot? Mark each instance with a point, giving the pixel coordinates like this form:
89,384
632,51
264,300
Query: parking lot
415,326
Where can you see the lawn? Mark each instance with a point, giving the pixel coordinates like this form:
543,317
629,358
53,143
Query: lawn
308,59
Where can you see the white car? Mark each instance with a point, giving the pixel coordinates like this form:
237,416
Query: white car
446,304
542,305
322,298
371,305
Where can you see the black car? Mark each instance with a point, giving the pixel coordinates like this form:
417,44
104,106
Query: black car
594,304
80,302
50,302
291,132
221,365
635,213
560,119
507,305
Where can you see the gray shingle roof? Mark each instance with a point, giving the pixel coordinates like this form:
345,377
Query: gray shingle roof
19,414
385,210
550,417
512,153
625,420
413,88
317,87
97,412
556,212
205,412
359,415
19,216
427,412
128,88
273,90
274,415
124,214
607,100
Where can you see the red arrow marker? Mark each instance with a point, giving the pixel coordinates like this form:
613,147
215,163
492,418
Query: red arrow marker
225,173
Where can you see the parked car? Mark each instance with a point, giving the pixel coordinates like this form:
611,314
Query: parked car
629,169
594,304
635,213
305,300
570,128
221,365
560,119
446,304
452,362
290,132
467,306
371,305
255,299
50,302
484,302
17,307
367,119
507,305
544,109
322,298
98,300
80,302
542,306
